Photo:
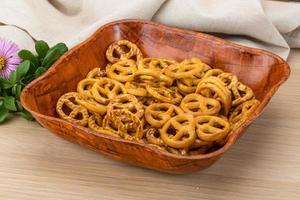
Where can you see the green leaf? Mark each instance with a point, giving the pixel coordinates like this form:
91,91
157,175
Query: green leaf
39,71
13,77
3,113
16,90
41,48
9,103
26,115
22,69
5,84
27,55
51,57
62,47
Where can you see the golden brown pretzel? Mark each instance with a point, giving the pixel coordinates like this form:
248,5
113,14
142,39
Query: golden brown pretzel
105,89
158,114
95,123
153,136
212,87
196,105
241,93
155,63
164,94
127,102
213,72
179,131
211,128
240,113
69,110
187,85
151,77
122,70
123,50
85,85
136,89
96,73
90,104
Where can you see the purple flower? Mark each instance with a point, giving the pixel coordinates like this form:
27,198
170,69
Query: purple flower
9,59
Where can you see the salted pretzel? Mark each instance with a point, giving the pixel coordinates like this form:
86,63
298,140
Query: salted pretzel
151,77
211,128
85,85
196,105
105,89
158,114
95,123
213,72
180,71
241,112
123,50
136,89
122,70
187,85
179,131
228,79
153,136
146,101
241,93
127,102
96,73
155,63
164,94
90,103
211,88
68,109
124,119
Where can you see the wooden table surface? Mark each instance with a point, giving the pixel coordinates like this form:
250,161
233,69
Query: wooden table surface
264,164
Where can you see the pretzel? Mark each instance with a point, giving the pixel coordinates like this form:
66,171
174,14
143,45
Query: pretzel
84,86
136,89
180,71
69,110
95,123
96,73
158,114
211,88
196,105
146,101
164,94
153,136
241,93
105,89
211,128
90,104
213,72
123,50
240,113
151,77
124,119
122,70
156,64
179,131
187,85
127,102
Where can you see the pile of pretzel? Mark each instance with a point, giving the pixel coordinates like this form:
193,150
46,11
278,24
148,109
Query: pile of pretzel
185,107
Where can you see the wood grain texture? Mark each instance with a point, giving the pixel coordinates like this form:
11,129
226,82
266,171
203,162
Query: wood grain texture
264,164
261,70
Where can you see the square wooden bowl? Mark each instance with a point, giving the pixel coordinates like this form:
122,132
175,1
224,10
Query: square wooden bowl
259,69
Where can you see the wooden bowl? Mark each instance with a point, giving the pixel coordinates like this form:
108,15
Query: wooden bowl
259,69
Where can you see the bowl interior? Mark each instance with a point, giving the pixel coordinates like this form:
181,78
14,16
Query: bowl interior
259,69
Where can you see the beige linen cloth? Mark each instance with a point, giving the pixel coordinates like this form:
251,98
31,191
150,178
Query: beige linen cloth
271,25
